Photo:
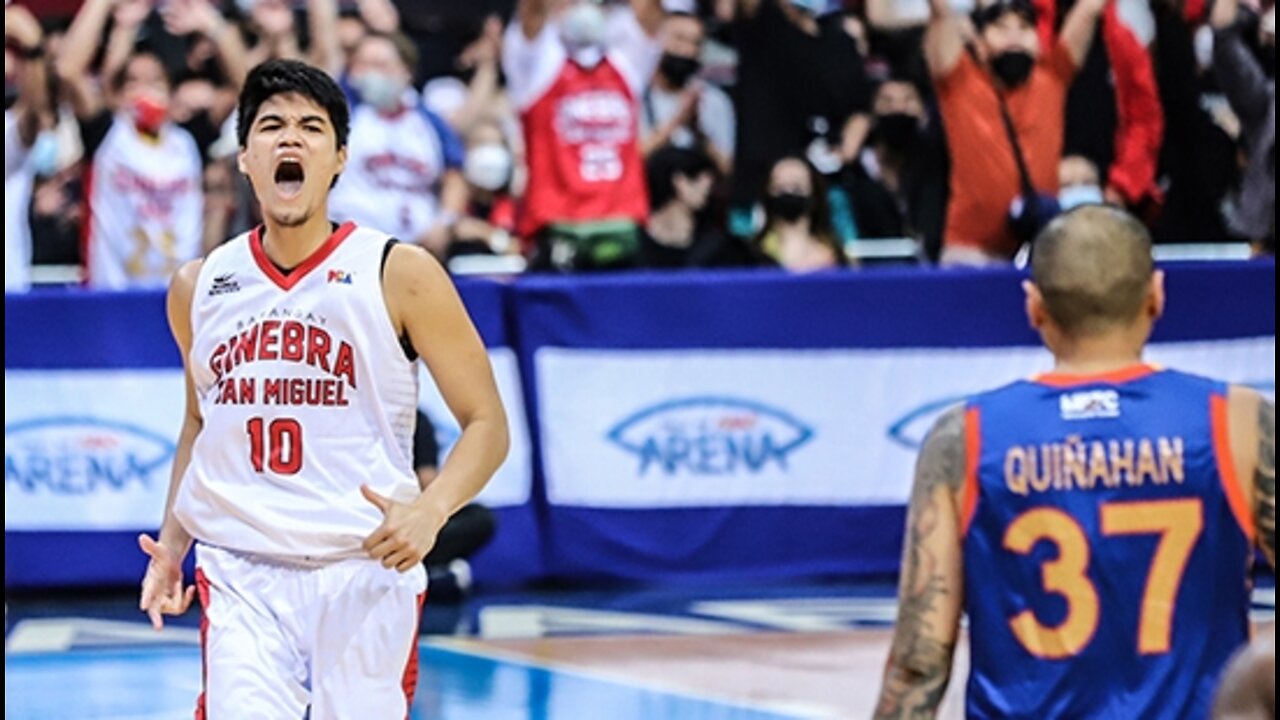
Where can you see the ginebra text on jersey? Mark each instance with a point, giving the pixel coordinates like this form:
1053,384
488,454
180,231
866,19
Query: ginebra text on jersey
286,341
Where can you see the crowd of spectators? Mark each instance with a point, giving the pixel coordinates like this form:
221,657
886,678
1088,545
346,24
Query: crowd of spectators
575,135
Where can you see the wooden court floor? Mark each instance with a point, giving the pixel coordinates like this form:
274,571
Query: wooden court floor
811,675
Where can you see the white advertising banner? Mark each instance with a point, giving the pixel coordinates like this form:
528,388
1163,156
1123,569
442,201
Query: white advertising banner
89,450
691,428
513,482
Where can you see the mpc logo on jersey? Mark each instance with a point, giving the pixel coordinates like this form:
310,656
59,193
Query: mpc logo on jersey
1088,404
710,436
223,284
341,277
83,455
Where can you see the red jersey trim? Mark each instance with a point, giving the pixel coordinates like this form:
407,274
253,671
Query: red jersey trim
972,449
294,276
1123,375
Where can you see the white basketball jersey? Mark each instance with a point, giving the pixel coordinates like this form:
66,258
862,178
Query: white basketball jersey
305,392
146,205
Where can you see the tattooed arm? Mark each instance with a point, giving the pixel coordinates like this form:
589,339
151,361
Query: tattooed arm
1264,481
931,590
1251,423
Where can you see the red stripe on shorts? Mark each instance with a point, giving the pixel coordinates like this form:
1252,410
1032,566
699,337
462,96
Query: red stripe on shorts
409,681
202,589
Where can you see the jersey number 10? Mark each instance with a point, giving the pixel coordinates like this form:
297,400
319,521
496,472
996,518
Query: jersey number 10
279,448
1177,522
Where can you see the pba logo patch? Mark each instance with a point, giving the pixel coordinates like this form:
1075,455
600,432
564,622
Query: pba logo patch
710,436
1088,404
342,277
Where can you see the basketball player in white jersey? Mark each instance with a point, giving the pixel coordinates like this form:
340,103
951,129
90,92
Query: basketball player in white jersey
293,473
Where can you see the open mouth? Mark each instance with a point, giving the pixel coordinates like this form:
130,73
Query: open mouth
289,176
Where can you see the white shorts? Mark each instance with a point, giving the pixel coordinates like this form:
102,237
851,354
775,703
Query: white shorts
279,639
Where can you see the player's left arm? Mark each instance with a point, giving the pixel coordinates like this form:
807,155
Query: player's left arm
424,304
931,589
1251,423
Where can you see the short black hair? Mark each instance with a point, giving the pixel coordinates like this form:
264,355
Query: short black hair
1092,266
987,14
665,163
281,77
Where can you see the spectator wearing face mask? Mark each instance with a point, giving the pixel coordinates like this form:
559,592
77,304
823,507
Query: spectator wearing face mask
680,232
489,224
1113,114
797,233
145,194
403,173
1252,95
898,182
1005,65
1079,183
576,78
801,89
679,109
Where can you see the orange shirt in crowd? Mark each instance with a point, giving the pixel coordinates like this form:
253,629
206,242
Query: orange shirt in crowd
984,174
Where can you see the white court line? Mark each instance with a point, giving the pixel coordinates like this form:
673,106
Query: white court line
465,646
44,635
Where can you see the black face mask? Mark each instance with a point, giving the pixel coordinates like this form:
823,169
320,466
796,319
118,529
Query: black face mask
1013,67
678,68
788,207
898,131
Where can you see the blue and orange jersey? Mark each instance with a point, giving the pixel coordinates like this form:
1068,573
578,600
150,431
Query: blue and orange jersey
1106,547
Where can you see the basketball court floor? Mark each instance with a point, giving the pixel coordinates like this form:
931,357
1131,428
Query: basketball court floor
802,651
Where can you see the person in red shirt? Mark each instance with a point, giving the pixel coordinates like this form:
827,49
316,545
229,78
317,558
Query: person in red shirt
1005,61
575,78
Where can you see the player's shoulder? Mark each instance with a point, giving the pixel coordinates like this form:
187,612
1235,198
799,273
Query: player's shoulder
409,261
186,276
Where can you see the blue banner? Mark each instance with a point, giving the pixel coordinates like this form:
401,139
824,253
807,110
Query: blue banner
675,427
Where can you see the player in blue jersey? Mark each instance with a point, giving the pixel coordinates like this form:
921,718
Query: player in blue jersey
1097,524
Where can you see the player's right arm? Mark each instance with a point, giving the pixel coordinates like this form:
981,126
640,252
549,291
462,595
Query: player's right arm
162,591
931,589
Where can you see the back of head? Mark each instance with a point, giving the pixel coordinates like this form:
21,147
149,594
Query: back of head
1093,268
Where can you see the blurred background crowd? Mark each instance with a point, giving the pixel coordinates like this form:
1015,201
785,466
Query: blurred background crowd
572,135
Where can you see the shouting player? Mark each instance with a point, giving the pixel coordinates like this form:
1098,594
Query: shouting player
294,468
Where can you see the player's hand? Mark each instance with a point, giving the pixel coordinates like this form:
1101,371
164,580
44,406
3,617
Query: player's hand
162,592
407,533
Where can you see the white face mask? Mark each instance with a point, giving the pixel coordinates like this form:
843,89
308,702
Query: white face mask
44,154
379,90
1077,195
582,26
488,166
